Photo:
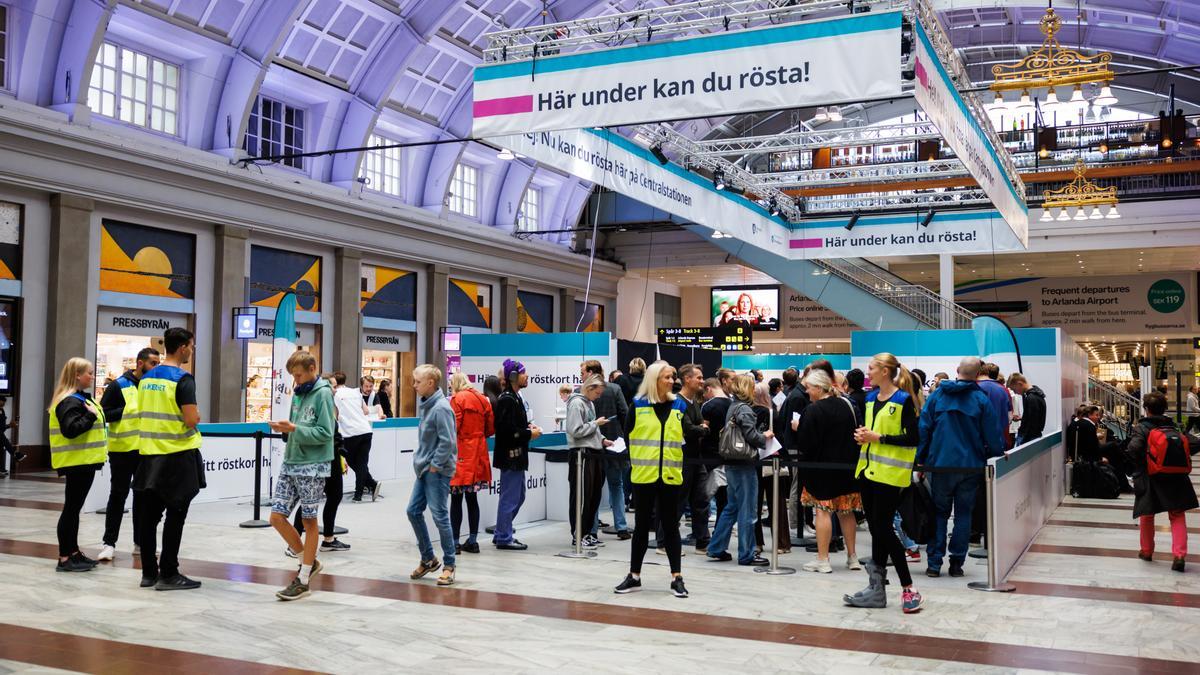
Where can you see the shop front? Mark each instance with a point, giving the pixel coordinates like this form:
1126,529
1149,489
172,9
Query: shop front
388,303
391,356
123,332
258,365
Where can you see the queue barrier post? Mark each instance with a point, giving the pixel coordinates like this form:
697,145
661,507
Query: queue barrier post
775,569
577,551
257,521
992,585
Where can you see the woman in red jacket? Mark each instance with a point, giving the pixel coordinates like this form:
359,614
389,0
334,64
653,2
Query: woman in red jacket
474,422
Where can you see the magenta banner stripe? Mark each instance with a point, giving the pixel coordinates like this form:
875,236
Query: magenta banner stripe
504,106
806,243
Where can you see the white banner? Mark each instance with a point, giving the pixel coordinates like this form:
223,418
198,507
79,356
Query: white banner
902,234
793,66
939,98
805,318
1134,305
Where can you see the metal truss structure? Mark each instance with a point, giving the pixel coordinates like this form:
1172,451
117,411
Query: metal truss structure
864,173
907,200
811,139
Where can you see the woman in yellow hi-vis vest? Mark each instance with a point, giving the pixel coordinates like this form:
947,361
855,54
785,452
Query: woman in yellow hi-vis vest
78,447
655,429
885,465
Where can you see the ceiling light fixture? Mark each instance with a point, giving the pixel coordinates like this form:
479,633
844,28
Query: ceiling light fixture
853,221
659,155
719,179
506,155
835,113
1080,193
1052,65
927,219
822,115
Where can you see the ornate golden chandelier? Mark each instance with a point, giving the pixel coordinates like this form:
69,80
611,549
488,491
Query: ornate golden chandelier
1080,194
1052,67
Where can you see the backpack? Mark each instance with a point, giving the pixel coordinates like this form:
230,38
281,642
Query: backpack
1167,451
1093,480
732,444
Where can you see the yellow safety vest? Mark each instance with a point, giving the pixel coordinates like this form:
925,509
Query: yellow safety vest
123,435
90,447
163,430
880,462
656,449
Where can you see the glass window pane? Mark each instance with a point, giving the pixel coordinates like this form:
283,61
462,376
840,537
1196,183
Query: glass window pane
169,122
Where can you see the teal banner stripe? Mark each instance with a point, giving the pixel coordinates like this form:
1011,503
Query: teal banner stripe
531,345
861,23
1026,454
247,428
906,219
772,362
704,183
962,106
1033,342
547,440
395,423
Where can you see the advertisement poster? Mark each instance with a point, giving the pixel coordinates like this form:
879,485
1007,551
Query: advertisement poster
790,66
283,346
755,306
903,234
805,318
1143,305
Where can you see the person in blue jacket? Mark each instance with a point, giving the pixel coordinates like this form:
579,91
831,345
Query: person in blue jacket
958,429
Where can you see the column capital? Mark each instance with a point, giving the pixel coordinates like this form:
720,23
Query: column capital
65,200
348,253
232,232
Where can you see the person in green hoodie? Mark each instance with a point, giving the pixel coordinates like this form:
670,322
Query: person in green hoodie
306,464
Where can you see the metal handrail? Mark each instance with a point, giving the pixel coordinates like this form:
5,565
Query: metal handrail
1115,401
915,300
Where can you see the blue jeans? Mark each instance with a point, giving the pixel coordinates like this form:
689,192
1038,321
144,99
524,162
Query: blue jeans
952,491
905,541
614,474
742,506
432,490
512,496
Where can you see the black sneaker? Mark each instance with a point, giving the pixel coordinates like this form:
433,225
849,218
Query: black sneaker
335,545
756,561
356,499
629,585
604,524
148,582
20,456
930,572
592,541
178,582
624,535
956,569
513,545
471,547
375,492
678,588
3,473
723,556
1178,564
80,557
71,564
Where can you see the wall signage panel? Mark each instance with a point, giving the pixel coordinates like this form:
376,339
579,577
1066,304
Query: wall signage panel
147,260
274,272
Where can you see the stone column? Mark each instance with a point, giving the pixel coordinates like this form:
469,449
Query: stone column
508,306
67,308
228,352
946,285
347,322
437,302
566,314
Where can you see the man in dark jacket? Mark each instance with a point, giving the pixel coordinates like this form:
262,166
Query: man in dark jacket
1170,492
1033,408
511,453
791,410
695,430
611,405
958,429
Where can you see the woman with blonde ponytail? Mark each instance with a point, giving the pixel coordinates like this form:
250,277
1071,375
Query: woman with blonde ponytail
78,447
889,449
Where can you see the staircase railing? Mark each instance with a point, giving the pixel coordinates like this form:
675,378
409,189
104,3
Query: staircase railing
1113,400
915,300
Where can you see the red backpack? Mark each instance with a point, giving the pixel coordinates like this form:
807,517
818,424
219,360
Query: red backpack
1167,451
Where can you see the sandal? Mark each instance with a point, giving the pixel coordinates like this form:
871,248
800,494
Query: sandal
447,577
424,568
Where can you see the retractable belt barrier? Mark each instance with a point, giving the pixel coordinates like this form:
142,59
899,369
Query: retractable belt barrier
258,437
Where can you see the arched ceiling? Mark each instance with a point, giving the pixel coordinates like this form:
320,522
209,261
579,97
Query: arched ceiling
403,69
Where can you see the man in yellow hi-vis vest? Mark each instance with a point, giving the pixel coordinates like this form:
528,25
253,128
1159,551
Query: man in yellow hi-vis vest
171,472
120,403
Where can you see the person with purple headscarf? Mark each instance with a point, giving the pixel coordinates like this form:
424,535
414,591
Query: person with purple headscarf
510,453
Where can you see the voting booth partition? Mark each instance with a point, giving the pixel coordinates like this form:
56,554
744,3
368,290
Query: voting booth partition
1026,484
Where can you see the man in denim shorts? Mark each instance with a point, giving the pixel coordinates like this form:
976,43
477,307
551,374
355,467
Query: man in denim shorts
307,462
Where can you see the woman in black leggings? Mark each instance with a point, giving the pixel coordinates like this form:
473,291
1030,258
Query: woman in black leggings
882,477
333,499
78,447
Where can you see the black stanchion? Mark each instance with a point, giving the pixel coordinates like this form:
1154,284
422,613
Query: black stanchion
257,521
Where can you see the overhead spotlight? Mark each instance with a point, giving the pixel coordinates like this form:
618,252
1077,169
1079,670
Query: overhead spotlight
1106,97
1077,96
1063,215
1025,103
853,221
927,219
506,155
1046,215
822,115
719,179
1103,147
1051,100
1167,142
997,103
658,153
1096,215
1080,214
835,113
1112,213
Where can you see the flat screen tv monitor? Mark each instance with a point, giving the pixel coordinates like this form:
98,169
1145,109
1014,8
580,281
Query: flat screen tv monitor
757,306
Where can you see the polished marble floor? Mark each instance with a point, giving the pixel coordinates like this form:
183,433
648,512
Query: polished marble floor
1084,603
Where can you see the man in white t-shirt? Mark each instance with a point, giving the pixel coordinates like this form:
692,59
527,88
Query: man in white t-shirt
356,433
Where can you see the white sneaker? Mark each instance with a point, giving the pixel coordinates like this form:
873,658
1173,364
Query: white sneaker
852,563
820,566
106,553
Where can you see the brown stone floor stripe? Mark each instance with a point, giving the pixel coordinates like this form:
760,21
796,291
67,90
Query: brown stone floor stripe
1138,596
30,504
35,477
1116,526
825,637
1104,552
94,655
